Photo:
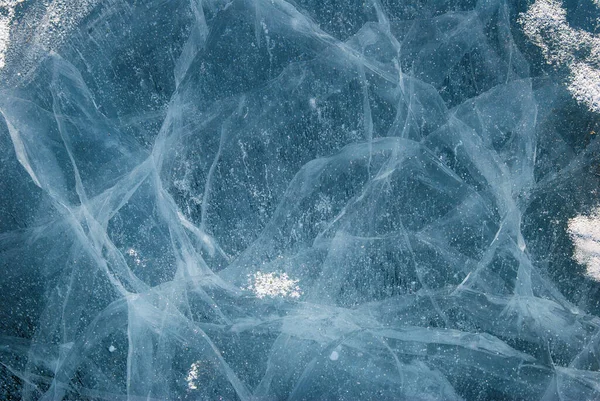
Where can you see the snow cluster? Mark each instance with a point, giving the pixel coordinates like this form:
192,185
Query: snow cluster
546,25
273,285
585,233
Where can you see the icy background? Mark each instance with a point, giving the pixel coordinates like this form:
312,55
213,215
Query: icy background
302,200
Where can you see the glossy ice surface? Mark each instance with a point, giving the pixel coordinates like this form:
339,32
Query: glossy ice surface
301,200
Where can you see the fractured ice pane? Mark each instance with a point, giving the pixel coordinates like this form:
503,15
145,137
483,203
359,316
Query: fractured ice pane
303,200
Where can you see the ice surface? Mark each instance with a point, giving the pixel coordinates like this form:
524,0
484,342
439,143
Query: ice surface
303,200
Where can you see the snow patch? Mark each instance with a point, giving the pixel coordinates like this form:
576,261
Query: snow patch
585,233
545,24
273,285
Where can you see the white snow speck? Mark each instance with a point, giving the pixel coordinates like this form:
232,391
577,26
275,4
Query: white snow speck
192,376
585,234
8,8
273,285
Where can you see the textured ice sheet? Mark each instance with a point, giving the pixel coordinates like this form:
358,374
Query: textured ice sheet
307,200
